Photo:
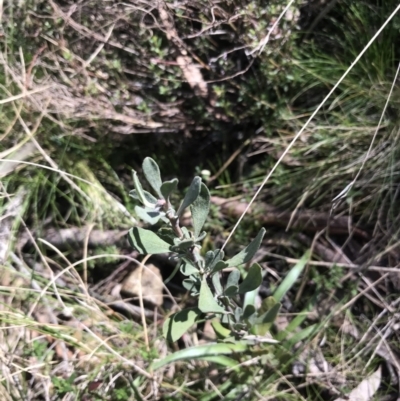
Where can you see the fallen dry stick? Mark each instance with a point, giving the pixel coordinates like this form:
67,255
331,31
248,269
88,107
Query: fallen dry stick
305,220
267,215
75,237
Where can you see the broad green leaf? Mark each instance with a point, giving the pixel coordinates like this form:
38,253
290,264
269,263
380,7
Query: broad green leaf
208,258
201,237
247,253
188,284
167,234
252,280
233,278
221,265
231,291
191,195
187,268
212,258
147,242
140,193
249,311
179,323
207,303
200,352
150,216
250,298
216,280
291,277
238,314
199,209
186,233
182,246
168,187
152,173
218,256
149,197
193,285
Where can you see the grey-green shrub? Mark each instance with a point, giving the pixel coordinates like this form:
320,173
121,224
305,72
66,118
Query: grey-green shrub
238,319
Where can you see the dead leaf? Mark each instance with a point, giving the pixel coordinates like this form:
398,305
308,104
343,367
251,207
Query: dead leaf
152,285
17,154
366,389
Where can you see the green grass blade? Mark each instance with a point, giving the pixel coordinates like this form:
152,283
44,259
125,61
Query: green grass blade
291,277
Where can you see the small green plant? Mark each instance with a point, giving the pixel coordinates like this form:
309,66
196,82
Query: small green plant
233,301
64,386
